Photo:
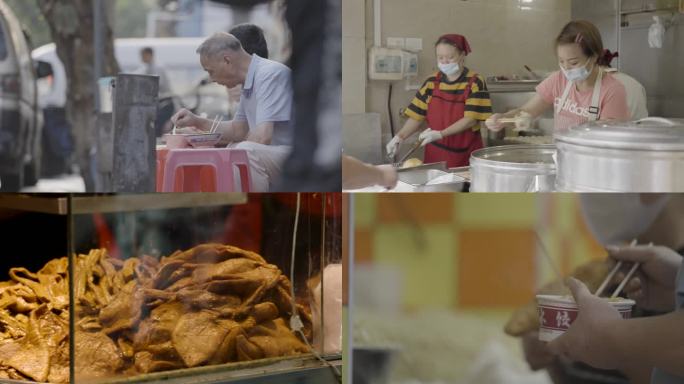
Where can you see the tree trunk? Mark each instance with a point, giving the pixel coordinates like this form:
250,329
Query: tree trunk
71,27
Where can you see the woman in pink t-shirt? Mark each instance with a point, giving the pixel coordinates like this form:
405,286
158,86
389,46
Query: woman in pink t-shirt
580,92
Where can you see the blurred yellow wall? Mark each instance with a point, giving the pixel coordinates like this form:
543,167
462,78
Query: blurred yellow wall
471,251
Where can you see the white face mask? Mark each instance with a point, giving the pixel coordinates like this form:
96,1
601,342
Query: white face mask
576,74
618,218
449,69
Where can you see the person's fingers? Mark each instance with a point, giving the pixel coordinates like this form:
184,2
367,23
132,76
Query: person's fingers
184,115
578,289
491,121
180,114
186,130
493,125
392,146
617,279
639,253
190,129
536,353
388,176
179,120
392,179
633,285
559,345
637,295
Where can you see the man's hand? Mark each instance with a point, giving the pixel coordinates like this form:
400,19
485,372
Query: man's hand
189,130
184,118
588,340
388,176
357,174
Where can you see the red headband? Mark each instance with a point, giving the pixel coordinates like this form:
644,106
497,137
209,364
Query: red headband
459,41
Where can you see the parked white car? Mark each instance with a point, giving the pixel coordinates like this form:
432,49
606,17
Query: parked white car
20,121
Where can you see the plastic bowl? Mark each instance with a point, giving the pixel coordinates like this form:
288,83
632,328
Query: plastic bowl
176,141
557,313
194,140
203,140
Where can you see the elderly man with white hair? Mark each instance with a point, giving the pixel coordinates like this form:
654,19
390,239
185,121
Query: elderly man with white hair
261,124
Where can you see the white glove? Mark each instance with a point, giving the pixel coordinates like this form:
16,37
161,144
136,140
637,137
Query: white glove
493,124
428,136
524,121
393,146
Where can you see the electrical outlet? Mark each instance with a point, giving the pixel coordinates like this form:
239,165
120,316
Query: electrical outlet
396,42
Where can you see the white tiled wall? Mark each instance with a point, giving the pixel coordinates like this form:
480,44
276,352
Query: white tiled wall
353,57
502,34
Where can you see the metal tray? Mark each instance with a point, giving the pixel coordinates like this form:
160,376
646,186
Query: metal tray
441,181
419,175
304,369
58,204
301,369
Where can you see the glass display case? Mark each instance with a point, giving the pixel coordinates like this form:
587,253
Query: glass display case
207,288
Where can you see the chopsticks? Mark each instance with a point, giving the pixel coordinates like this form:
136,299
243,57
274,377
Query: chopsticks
415,146
547,255
508,120
215,124
612,273
521,123
608,278
625,280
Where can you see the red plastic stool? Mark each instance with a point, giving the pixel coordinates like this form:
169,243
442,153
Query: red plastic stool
221,160
207,174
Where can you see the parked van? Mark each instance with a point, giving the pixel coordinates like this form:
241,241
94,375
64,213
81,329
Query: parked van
19,118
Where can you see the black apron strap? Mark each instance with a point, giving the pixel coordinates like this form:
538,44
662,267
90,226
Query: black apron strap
450,149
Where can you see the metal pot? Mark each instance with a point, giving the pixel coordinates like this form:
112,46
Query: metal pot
513,168
639,156
372,364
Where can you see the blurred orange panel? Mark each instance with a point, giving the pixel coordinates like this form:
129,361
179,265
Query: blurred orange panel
424,208
495,267
567,245
363,246
595,249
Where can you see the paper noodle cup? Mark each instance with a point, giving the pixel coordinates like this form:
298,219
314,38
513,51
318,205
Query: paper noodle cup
557,313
